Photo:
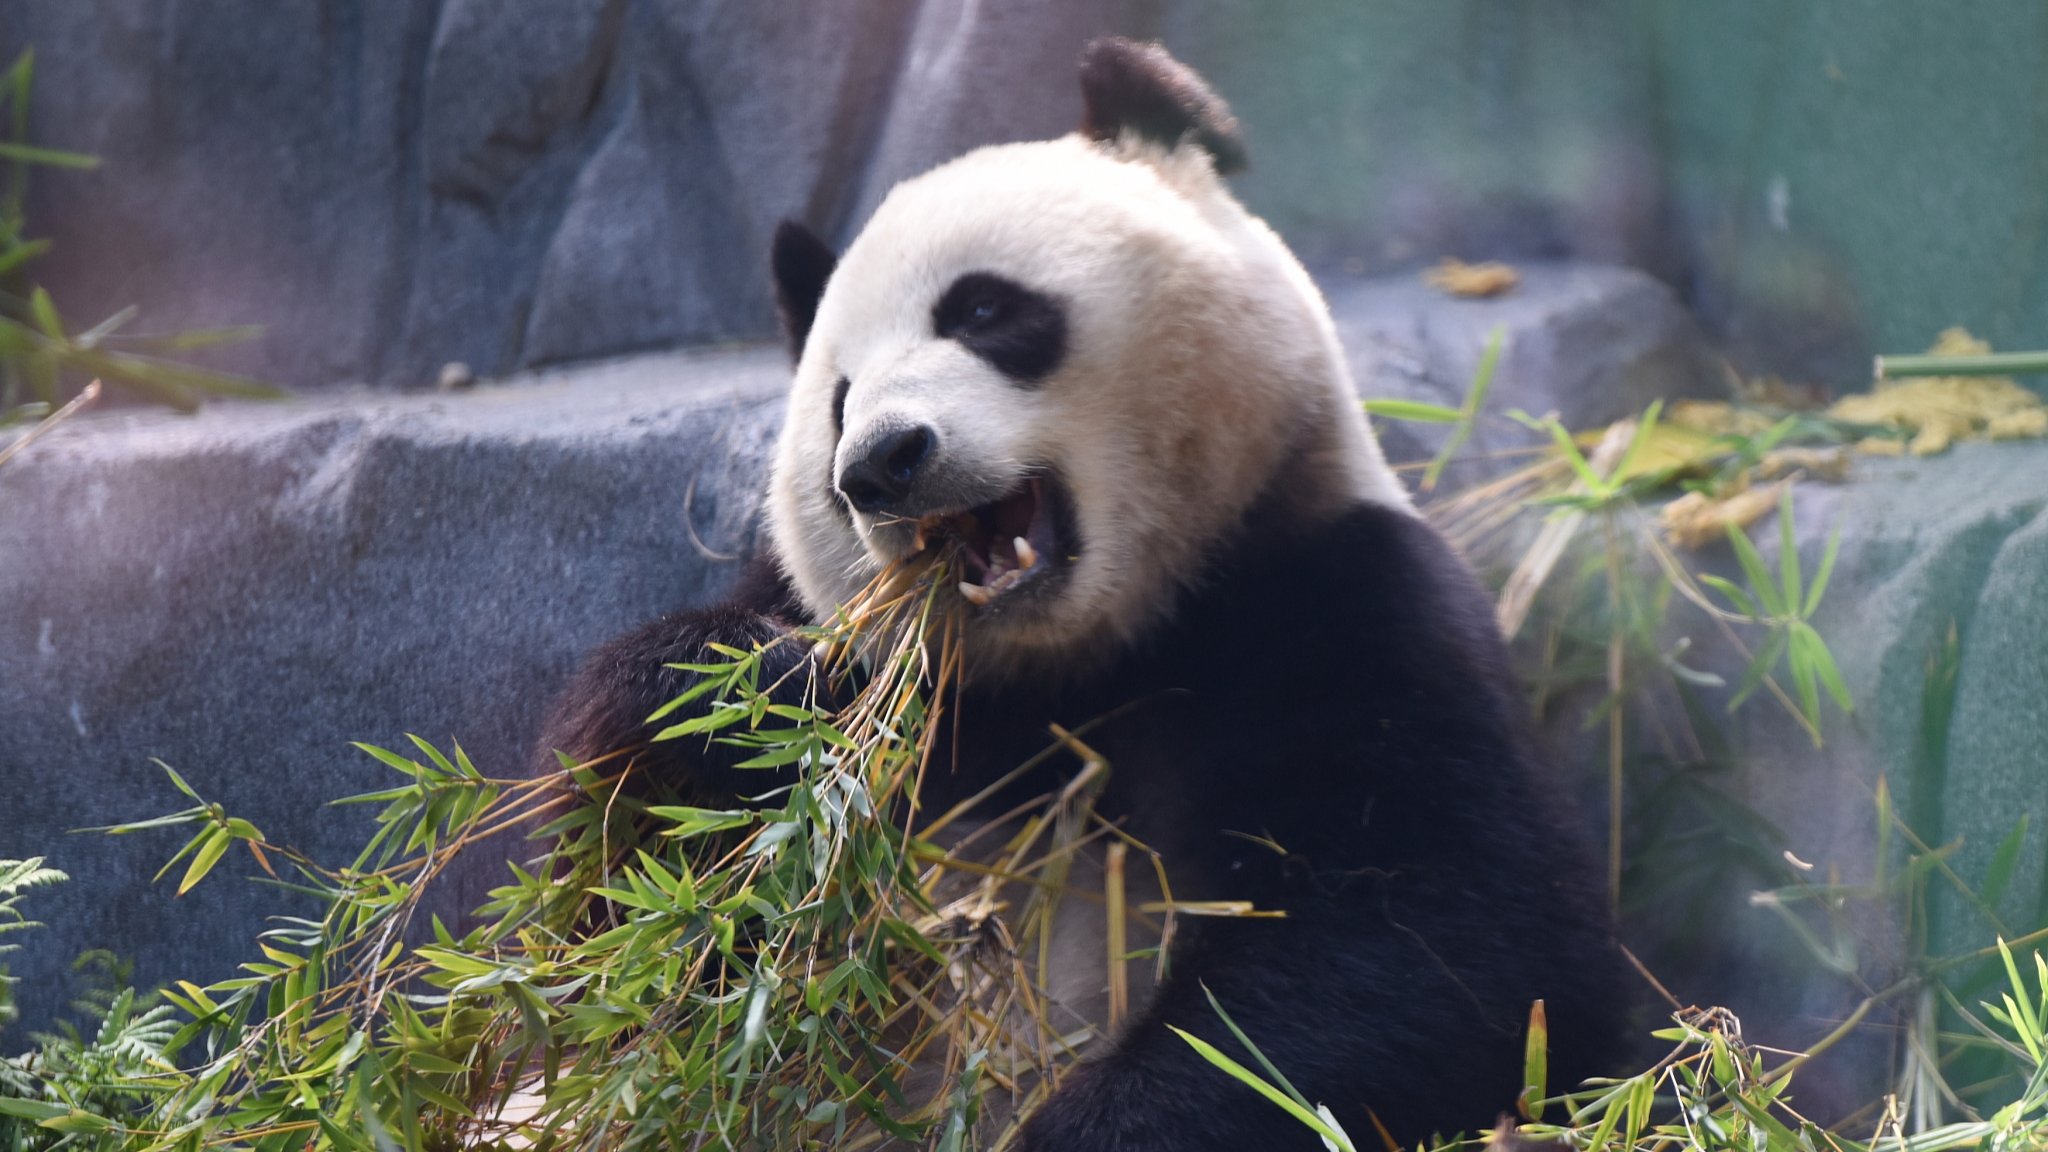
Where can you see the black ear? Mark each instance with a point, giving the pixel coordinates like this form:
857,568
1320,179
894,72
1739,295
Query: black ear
1141,87
802,264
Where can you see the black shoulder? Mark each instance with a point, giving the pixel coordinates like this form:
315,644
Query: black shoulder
764,589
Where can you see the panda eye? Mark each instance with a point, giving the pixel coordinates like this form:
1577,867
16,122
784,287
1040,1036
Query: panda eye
1020,332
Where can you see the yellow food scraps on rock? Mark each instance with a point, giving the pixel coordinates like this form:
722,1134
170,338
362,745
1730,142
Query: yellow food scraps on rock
1696,519
1718,418
1775,392
1458,278
1939,410
1666,450
1829,464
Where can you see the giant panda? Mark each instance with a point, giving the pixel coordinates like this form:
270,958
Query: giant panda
1126,398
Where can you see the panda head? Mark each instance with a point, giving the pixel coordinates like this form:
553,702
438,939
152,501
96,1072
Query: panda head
1083,344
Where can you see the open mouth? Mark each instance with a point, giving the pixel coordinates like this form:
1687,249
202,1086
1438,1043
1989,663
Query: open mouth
1008,546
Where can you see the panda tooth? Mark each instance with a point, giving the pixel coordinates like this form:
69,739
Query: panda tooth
1027,557
976,592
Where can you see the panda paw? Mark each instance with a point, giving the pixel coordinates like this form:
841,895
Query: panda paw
604,712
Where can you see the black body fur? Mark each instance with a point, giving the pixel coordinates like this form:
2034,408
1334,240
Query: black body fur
1344,695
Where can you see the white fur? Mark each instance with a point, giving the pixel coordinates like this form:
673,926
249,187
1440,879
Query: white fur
1201,367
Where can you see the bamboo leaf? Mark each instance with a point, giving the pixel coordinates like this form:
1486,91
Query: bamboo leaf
45,312
31,1109
1285,1085
1644,429
2025,1011
1827,569
1753,567
1733,592
216,843
1251,1079
1753,676
1535,1062
1788,552
2003,861
1412,410
1824,666
28,154
1468,415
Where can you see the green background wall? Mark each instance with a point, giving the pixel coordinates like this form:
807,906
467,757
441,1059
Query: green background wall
1820,179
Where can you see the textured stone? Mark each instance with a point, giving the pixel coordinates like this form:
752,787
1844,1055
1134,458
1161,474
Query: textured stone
980,72
1955,539
242,593
387,189
502,80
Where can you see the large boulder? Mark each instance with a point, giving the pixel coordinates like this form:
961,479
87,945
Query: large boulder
511,185
242,594
1926,545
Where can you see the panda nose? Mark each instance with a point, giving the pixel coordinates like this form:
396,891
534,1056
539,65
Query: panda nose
878,479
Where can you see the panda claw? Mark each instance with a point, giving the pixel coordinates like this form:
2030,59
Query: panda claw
976,593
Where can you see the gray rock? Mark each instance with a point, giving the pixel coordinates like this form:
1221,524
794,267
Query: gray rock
243,593
1590,343
1962,540
976,72
501,82
1925,543
388,189
598,293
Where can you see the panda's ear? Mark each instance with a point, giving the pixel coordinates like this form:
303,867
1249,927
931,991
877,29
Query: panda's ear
1142,88
801,263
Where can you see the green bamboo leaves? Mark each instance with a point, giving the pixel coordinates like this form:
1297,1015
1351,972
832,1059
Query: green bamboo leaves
220,832
1784,604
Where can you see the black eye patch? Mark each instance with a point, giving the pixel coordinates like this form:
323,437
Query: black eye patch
1021,333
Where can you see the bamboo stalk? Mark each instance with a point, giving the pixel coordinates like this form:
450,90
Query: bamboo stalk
91,393
1113,893
1990,364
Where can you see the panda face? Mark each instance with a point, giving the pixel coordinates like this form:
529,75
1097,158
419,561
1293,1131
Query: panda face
1084,362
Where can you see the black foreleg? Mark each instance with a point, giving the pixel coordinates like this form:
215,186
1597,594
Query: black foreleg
606,707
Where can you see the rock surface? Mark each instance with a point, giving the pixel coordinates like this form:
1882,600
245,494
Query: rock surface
243,593
1925,543
389,188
